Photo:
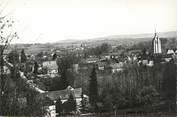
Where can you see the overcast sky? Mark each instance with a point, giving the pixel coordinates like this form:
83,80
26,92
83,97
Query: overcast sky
55,20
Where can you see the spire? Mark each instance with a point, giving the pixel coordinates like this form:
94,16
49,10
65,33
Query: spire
156,44
155,32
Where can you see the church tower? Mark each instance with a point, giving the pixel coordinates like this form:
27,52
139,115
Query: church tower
156,44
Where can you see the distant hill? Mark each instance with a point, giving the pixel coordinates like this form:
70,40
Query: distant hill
130,39
169,34
127,40
121,39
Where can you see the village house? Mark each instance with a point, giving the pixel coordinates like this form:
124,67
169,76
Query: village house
167,59
101,65
116,67
114,55
105,57
6,70
170,52
145,62
63,95
150,63
176,52
169,55
51,66
92,60
76,68
84,66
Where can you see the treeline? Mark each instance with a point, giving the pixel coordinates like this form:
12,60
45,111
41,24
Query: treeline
98,50
136,87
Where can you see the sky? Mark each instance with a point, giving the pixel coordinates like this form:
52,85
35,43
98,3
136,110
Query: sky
41,21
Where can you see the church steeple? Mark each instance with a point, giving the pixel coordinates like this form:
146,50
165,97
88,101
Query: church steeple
156,44
155,33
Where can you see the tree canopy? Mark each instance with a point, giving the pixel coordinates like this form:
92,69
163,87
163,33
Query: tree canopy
93,88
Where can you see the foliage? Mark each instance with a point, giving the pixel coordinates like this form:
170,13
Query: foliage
135,86
111,97
64,64
54,56
82,106
142,45
39,57
59,108
23,56
104,48
169,85
169,80
6,36
15,102
70,104
167,43
64,80
146,95
108,102
13,106
35,67
98,50
59,83
6,33
93,88
34,105
119,48
13,57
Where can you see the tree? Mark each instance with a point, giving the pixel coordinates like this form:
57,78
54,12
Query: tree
147,94
23,56
6,36
107,102
93,88
13,57
64,80
169,84
64,64
59,108
34,104
35,67
98,50
83,103
39,57
144,55
71,103
54,56
105,47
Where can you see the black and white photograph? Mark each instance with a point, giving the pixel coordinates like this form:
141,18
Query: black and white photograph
88,58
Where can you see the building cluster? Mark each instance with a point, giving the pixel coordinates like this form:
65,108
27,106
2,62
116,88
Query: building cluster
44,65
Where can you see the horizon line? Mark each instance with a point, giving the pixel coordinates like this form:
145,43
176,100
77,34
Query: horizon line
88,39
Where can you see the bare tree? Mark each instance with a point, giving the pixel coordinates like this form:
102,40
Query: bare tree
7,34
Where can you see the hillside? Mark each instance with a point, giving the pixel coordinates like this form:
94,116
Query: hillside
126,40
119,39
